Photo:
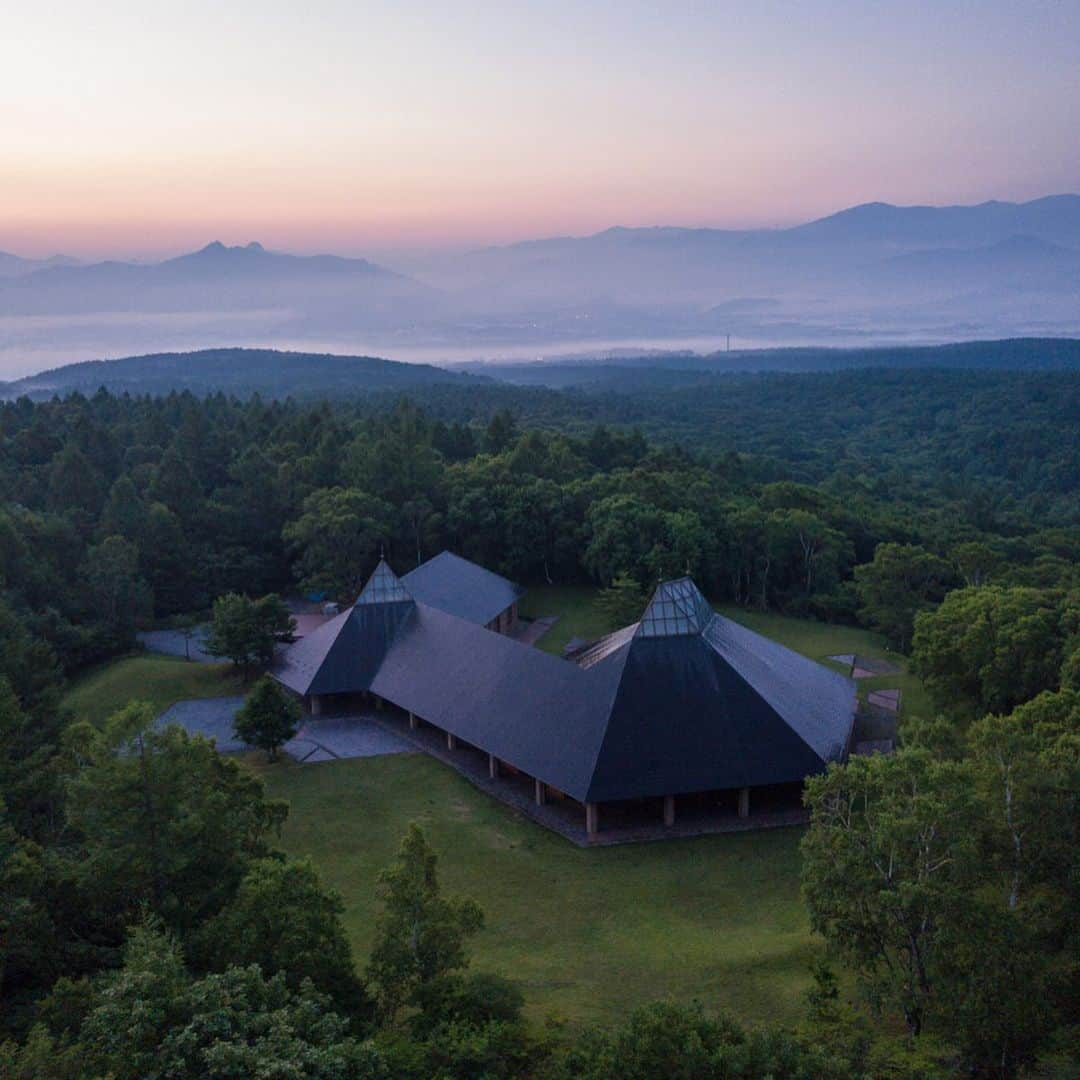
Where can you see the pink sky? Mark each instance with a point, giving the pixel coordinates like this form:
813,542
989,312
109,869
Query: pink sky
353,127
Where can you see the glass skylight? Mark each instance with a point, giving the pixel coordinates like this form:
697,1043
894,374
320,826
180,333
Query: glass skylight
677,608
383,587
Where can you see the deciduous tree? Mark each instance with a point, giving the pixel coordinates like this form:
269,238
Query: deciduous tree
901,581
337,538
285,920
990,649
246,631
268,718
420,934
883,864
165,820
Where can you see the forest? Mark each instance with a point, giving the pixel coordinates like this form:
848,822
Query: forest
142,897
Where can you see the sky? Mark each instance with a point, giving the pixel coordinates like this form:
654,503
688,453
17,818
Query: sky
136,129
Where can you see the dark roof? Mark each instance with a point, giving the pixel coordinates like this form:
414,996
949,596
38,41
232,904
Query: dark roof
534,710
703,703
459,587
683,701
343,655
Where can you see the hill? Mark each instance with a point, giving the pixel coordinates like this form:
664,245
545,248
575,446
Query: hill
273,373
627,373
241,372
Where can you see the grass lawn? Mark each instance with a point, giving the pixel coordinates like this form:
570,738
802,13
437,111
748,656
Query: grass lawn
578,617
588,933
161,680
819,640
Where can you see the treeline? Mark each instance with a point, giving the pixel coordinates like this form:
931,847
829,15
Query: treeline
997,446
115,510
150,926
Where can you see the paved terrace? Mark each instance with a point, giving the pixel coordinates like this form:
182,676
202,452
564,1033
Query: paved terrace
319,738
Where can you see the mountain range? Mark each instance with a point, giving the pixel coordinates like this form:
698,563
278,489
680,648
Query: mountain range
214,278
874,273
17,266
855,249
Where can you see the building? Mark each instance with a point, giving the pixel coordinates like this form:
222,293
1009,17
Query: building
459,587
684,706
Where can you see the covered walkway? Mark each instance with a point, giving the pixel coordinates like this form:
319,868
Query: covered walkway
614,823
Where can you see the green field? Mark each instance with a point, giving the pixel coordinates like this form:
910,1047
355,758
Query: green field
588,933
578,617
160,680
577,614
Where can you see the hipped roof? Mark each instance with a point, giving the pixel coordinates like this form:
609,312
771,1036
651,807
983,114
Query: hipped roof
685,700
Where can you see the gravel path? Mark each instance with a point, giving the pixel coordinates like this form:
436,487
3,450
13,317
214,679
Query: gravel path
529,633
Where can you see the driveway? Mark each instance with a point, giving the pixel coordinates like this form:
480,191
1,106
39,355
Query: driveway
320,738
212,717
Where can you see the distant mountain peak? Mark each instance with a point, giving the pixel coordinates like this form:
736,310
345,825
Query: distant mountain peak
217,248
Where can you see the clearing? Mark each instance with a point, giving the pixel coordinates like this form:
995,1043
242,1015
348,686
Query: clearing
588,932
579,617
160,680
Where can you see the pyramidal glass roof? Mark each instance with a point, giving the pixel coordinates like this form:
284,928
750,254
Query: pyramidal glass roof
676,608
383,587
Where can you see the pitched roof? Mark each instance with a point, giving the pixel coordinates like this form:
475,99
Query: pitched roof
342,655
527,707
683,701
703,702
460,587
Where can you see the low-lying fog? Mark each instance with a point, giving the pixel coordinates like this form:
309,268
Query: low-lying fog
875,274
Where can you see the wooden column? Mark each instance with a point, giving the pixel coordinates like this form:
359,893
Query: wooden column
669,810
493,766
592,818
744,802
413,722
540,792
451,742
316,705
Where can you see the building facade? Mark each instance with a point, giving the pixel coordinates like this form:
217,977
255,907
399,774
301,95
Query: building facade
683,705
